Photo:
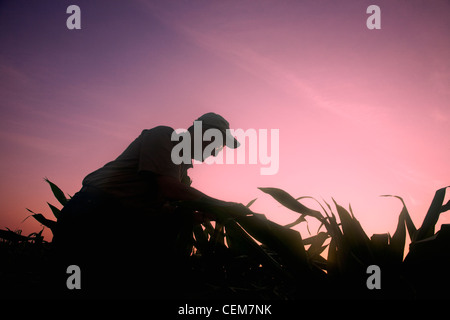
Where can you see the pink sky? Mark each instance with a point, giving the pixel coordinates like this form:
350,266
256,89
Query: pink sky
361,112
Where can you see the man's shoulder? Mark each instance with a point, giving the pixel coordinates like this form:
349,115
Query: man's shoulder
160,130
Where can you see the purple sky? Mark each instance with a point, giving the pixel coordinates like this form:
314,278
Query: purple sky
360,112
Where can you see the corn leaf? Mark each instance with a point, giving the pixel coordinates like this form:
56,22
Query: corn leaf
379,243
57,192
446,207
222,211
332,226
29,210
354,238
317,239
291,203
316,242
397,243
251,202
219,234
333,263
436,207
407,218
12,236
56,212
286,242
209,229
296,222
44,221
241,242
351,227
200,238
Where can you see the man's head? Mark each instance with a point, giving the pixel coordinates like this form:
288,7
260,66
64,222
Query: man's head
212,120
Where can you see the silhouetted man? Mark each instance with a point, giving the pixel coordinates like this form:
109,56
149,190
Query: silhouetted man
145,175
122,217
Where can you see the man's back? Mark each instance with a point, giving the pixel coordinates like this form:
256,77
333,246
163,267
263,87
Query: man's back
131,177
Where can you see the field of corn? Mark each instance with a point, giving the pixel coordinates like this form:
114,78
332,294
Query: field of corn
241,254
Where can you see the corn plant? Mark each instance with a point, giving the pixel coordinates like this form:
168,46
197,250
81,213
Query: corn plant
62,199
350,251
238,252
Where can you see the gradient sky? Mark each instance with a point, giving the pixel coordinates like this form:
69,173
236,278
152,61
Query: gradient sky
361,112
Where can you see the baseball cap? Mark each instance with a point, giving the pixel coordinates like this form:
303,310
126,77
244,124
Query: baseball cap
215,120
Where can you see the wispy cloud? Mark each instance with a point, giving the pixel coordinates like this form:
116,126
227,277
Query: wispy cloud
243,47
439,116
259,65
32,142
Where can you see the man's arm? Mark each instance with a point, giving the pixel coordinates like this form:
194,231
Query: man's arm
173,189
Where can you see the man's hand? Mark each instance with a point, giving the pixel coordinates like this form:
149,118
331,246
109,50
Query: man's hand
239,207
173,189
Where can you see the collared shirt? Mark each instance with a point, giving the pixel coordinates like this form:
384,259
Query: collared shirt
149,153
